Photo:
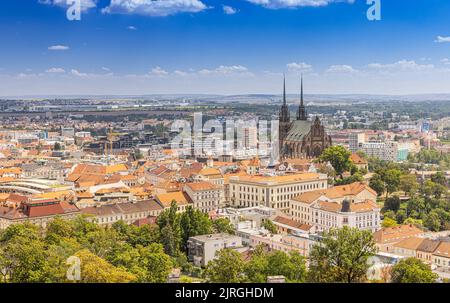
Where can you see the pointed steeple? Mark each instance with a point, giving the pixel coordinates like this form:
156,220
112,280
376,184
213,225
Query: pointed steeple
301,94
284,111
301,114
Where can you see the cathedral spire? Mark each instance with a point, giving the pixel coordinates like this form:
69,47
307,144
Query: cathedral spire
301,114
301,96
284,111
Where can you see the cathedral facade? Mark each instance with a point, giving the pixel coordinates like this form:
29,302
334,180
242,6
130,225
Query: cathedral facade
300,138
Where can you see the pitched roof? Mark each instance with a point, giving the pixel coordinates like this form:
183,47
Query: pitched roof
298,130
111,169
166,199
83,168
396,233
310,197
443,250
202,186
289,178
357,159
334,192
54,194
428,245
210,171
292,223
410,243
123,208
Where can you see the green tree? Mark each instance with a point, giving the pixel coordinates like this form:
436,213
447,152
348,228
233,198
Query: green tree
157,264
341,256
193,223
409,184
292,266
377,184
357,177
101,242
388,222
391,180
26,231
134,235
58,229
416,207
97,270
412,270
170,230
400,216
24,260
392,203
270,226
228,267
339,157
256,269
170,240
413,221
439,178
433,221
223,225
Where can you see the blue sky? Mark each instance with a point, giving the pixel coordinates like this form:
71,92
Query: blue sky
226,47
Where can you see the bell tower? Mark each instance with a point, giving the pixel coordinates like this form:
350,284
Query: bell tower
301,113
284,118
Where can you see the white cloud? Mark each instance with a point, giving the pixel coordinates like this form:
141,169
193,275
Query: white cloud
55,70
106,69
154,7
229,10
132,28
28,75
226,70
299,67
441,39
85,4
445,61
342,69
401,66
158,71
180,73
58,48
277,4
77,73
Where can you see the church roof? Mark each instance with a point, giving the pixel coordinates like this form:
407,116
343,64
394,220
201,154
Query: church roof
298,130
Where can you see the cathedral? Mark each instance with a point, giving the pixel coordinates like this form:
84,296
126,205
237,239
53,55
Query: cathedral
300,138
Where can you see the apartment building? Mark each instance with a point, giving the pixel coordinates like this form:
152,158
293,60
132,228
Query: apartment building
387,237
272,191
205,196
441,256
203,249
127,212
36,211
286,243
350,205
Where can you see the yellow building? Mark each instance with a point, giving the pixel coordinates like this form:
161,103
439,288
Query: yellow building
272,191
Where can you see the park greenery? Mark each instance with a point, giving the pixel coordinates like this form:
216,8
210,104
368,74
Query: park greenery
409,198
406,198
130,254
412,270
339,159
120,253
